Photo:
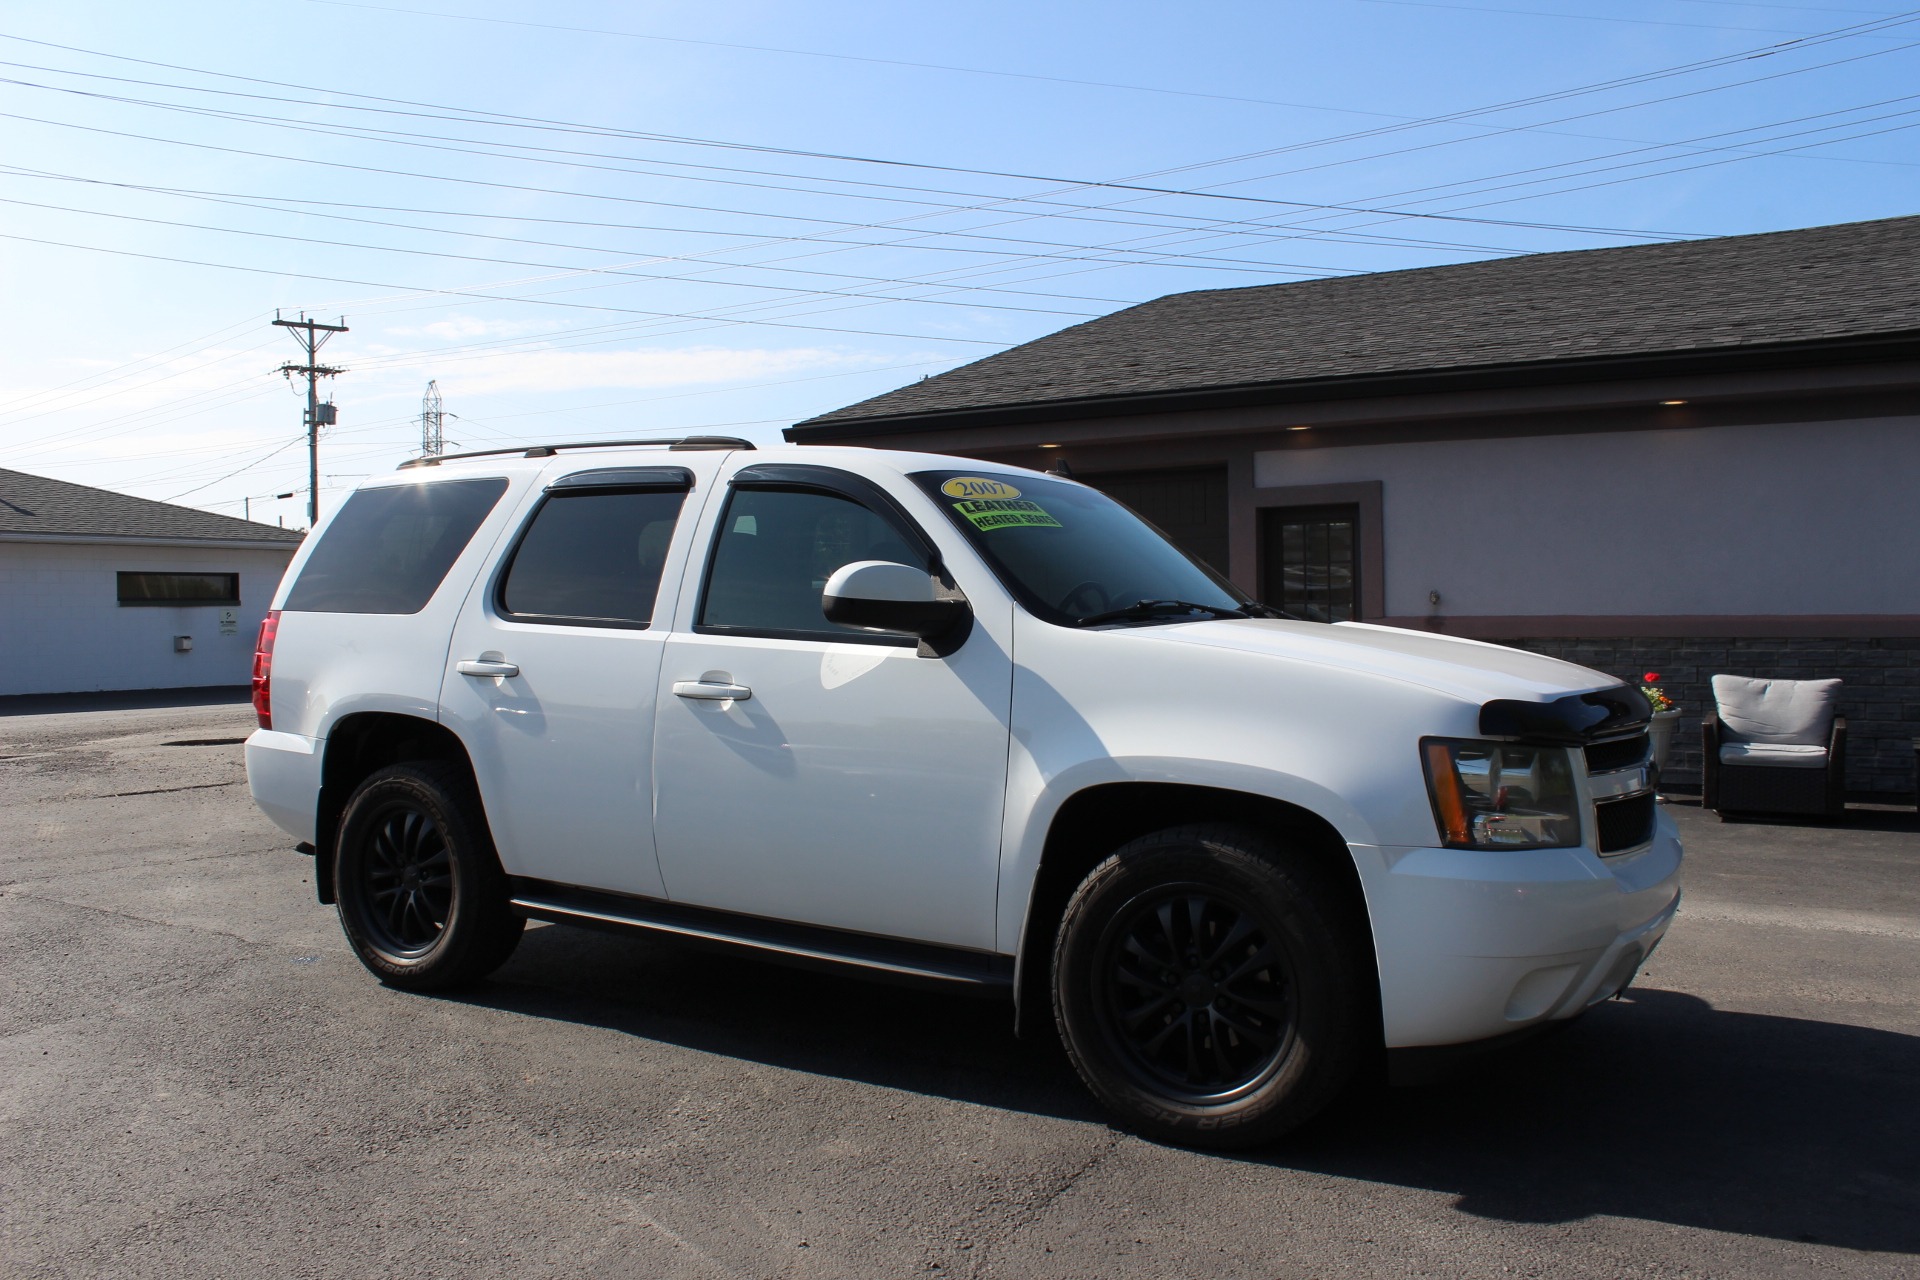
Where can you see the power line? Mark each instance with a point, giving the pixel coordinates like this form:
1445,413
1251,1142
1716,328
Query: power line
1593,17
1070,211
1129,184
280,448
469,293
548,266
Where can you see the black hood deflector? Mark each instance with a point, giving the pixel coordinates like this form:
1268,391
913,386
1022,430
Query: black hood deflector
1572,721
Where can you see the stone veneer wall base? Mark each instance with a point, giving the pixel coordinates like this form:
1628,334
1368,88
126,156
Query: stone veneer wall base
1880,698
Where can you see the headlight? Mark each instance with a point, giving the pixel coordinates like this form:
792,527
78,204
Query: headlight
1501,795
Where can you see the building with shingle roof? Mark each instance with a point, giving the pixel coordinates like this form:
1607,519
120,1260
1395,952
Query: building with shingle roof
1690,457
102,590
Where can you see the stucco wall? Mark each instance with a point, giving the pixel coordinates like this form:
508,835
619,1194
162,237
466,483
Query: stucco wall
62,629
1778,519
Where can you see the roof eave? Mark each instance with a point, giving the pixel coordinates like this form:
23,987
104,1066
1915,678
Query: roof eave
130,540
1904,344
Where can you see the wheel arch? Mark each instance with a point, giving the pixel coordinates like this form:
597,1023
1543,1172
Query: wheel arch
1095,821
356,746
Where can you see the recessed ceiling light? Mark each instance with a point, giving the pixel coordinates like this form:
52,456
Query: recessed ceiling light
1049,446
1305,426
1673,402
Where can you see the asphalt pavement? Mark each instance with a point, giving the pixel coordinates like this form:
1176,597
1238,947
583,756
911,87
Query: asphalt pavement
198,1079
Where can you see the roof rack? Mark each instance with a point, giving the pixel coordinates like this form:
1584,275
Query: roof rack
687,443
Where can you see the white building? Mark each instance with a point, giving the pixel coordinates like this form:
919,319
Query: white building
99,590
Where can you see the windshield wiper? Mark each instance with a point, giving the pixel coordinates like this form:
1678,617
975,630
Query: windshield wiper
1145,609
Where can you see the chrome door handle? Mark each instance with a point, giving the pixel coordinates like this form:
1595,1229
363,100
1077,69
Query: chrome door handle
485,667
704,691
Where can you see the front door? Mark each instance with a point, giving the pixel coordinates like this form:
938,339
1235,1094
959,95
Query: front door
853,784
551,678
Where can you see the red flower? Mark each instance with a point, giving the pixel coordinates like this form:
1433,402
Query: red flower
1652,677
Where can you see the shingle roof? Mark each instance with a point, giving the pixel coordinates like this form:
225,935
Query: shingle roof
37,505
1838,282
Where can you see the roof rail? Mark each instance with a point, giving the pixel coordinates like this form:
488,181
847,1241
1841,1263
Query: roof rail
548,450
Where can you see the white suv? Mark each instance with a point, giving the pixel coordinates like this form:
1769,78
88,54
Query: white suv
955,723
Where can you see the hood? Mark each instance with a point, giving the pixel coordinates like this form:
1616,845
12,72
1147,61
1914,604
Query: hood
1472,670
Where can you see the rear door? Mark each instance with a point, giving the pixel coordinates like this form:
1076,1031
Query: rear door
551,677
855,783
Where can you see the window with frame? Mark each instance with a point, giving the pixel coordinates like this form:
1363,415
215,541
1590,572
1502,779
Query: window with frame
774,552
592,558
1310,561
178,588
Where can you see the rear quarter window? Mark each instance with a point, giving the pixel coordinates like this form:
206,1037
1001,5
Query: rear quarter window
388,549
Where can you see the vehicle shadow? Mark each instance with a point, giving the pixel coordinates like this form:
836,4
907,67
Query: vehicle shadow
1659,1107
898,1037
1656,1107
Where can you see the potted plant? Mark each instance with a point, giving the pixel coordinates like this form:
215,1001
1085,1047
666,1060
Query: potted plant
1666,712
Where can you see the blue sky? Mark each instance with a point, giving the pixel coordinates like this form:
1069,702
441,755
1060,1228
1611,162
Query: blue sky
598,220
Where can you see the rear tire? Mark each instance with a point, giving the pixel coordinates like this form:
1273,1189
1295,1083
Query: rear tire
1209,986
421,894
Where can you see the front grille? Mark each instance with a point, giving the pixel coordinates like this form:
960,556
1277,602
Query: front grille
1620,753
1624,823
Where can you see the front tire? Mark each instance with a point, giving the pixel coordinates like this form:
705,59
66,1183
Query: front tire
421,894
1208,986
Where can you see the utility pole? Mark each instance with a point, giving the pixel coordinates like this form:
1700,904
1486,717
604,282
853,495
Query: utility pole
432,442
312,335
247,503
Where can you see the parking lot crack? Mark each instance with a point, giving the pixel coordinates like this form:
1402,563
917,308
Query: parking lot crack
128,915
1037,1209
161,791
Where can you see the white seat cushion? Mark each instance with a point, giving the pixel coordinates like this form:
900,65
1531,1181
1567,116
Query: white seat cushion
1789,712
1774,755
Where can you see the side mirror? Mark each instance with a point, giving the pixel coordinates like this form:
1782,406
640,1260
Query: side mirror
879,595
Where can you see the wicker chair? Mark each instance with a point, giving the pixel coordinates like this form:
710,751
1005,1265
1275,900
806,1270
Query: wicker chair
1774,746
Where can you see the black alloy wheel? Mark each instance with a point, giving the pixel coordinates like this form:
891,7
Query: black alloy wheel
408,872
1212,986
1193,993
421,894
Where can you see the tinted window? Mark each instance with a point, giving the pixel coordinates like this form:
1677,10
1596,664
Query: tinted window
592,558
388,549
1069,552
775,552
179,588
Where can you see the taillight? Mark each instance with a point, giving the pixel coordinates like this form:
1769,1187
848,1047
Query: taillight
263,669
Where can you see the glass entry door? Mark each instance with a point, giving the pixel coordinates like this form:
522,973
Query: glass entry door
1310,561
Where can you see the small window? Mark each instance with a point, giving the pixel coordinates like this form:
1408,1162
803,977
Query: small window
774,553
592,558
1311,562
387,549
179,588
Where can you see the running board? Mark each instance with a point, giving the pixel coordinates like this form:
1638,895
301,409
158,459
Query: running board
890,959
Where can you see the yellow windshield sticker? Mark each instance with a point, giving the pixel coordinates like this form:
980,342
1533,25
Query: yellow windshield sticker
1006,513
978,487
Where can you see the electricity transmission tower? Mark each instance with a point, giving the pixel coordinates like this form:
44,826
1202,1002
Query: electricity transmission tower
312,335
432,441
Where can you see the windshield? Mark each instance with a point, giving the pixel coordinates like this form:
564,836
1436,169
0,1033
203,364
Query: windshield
1071,554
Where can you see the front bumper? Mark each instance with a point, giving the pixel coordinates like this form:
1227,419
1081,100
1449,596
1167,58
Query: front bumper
1474,944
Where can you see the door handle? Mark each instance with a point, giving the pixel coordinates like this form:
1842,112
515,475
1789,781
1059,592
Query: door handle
703,691
486,667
